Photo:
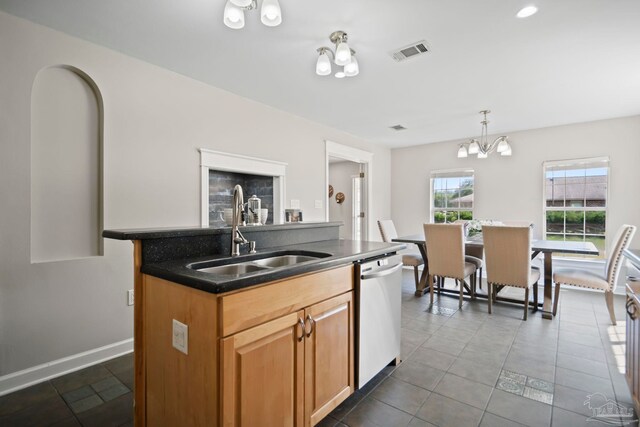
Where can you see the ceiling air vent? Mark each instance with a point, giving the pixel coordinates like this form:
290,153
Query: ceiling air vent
397,127
411,51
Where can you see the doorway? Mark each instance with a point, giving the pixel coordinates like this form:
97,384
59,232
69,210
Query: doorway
348,172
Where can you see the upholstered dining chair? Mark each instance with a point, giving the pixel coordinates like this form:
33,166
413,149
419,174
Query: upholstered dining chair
606,282
508,256
473,254
445,255
388,232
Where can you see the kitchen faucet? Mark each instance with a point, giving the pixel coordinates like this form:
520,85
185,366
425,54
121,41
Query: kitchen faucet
237,238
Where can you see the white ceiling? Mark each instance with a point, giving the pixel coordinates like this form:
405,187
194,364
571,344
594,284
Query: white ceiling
574,61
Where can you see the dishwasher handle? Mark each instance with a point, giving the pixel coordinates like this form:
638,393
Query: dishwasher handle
381,273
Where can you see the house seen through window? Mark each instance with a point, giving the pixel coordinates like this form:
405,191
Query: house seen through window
575,207
451,196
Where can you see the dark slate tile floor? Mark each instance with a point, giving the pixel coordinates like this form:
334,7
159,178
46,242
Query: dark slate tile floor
460,368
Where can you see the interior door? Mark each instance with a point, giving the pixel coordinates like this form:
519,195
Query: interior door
358,207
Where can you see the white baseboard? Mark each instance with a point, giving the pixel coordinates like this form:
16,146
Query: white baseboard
37,374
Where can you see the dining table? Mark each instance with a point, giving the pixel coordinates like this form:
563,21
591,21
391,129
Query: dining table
546,247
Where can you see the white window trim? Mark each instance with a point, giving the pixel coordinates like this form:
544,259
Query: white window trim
432,208
566,162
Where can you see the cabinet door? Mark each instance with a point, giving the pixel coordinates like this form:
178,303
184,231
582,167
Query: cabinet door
262,372
329,377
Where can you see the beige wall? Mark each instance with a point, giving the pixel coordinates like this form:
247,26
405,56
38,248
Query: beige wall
511,188
154,121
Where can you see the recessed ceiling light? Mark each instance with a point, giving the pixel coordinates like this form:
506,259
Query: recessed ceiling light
526,12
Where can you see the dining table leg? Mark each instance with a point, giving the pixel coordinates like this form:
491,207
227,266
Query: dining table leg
548,283
421,286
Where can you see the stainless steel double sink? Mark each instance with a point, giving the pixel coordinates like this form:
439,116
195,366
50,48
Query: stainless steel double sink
236,267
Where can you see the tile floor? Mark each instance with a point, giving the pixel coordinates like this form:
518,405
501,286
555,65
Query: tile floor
460,368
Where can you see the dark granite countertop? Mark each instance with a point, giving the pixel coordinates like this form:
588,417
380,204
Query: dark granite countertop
342,252
160,233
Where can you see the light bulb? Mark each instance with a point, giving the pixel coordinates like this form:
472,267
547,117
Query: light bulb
343,54
241,3
474,148
323,66
506,152
233,16
482,155
270,14
462,152
503,145
352,68
526,12
340,75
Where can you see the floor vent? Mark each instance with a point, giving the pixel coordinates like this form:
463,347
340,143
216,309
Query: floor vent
411,51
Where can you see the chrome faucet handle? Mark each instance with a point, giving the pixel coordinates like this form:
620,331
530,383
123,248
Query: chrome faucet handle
252,247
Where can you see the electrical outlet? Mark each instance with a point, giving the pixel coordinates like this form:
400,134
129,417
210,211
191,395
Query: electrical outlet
180,337
318,204
130,297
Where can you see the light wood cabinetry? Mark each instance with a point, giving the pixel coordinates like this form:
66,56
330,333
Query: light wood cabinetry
633,341
328,352
279,354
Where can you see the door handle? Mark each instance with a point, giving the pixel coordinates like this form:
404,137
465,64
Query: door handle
302,328
381,273
312,324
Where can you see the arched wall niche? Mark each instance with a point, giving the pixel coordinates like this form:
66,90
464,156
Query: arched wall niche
66,165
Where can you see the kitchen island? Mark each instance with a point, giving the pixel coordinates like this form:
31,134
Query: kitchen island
271,345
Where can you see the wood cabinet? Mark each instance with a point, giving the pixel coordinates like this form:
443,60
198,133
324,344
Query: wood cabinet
280,354
291,371
632,371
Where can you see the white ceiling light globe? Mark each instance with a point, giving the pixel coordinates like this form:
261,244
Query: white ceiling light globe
503,145
482,155
233,16
474,148
343,54
323,66
340,75
352,68
462,152
270,14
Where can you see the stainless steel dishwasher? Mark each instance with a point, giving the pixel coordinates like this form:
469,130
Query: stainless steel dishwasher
378,293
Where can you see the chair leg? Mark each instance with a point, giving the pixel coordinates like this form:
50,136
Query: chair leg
480,278
608,296
415,274
490,296
535,296
526,303
430,279
460,283
556,297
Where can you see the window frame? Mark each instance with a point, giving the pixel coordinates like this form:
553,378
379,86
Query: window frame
449,173
586,163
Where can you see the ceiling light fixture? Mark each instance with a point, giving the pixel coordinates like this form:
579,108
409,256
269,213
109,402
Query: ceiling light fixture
482,147
344,57
270,13
526,12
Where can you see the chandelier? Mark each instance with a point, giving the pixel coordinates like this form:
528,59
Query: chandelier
270,13
343,57
482,147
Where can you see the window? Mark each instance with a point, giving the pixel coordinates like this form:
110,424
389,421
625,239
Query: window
575,203
451,195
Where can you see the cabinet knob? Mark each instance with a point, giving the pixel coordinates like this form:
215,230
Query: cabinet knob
631,309
312,324
302,329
